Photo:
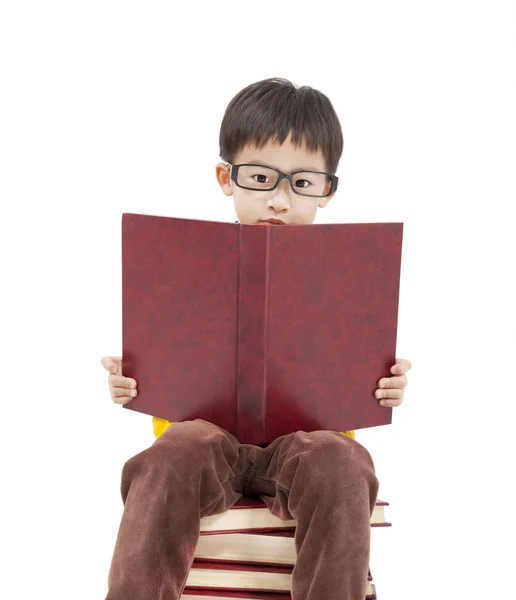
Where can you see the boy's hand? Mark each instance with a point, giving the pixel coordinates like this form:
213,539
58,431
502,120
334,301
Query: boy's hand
122,389
393,387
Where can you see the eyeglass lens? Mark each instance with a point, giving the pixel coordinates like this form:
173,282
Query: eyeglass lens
263,178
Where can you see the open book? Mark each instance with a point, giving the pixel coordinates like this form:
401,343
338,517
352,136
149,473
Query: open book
262,330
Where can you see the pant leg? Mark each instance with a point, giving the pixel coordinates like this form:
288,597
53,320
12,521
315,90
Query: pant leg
185,475
326,481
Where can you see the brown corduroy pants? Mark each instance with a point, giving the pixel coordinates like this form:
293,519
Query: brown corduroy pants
323,479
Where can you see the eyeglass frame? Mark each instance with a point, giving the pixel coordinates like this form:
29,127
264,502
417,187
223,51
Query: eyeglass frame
234,176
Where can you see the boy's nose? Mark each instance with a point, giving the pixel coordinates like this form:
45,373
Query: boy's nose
280,198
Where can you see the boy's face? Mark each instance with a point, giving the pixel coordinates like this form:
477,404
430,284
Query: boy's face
253,207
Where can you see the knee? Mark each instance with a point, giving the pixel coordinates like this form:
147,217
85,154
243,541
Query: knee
184,449
335,457
177,440
187,437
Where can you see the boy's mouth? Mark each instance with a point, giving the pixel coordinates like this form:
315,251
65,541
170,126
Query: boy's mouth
274,221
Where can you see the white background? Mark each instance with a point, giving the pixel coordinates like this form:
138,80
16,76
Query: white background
111,107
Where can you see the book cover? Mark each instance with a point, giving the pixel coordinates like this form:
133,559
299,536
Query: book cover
262,330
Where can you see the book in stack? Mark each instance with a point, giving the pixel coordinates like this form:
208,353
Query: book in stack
247,552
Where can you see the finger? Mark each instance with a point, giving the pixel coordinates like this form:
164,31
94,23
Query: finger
393,382
388,394
116,367
122,399
402,366
107,362
123,391
391,402
112,363
121,381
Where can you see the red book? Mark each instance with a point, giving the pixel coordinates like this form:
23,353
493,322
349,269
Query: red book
243,594
193,594
252,514
271,548
206,575
262,330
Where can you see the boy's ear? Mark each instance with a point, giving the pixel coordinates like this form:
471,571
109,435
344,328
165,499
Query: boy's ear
223,178
324,201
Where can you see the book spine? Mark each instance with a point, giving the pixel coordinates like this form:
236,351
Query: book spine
252,333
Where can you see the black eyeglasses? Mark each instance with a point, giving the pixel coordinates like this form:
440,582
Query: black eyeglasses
320,184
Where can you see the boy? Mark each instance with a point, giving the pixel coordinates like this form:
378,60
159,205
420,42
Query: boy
323,479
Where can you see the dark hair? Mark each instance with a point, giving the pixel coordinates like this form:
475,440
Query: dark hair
273,108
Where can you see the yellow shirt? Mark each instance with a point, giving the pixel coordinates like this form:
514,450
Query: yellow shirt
160,425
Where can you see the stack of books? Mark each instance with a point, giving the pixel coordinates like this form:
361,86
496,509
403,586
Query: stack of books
247,552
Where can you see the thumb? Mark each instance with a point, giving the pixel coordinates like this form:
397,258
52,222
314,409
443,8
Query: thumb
113,364
116,365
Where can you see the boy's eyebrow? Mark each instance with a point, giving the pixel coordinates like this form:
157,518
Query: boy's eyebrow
260,162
